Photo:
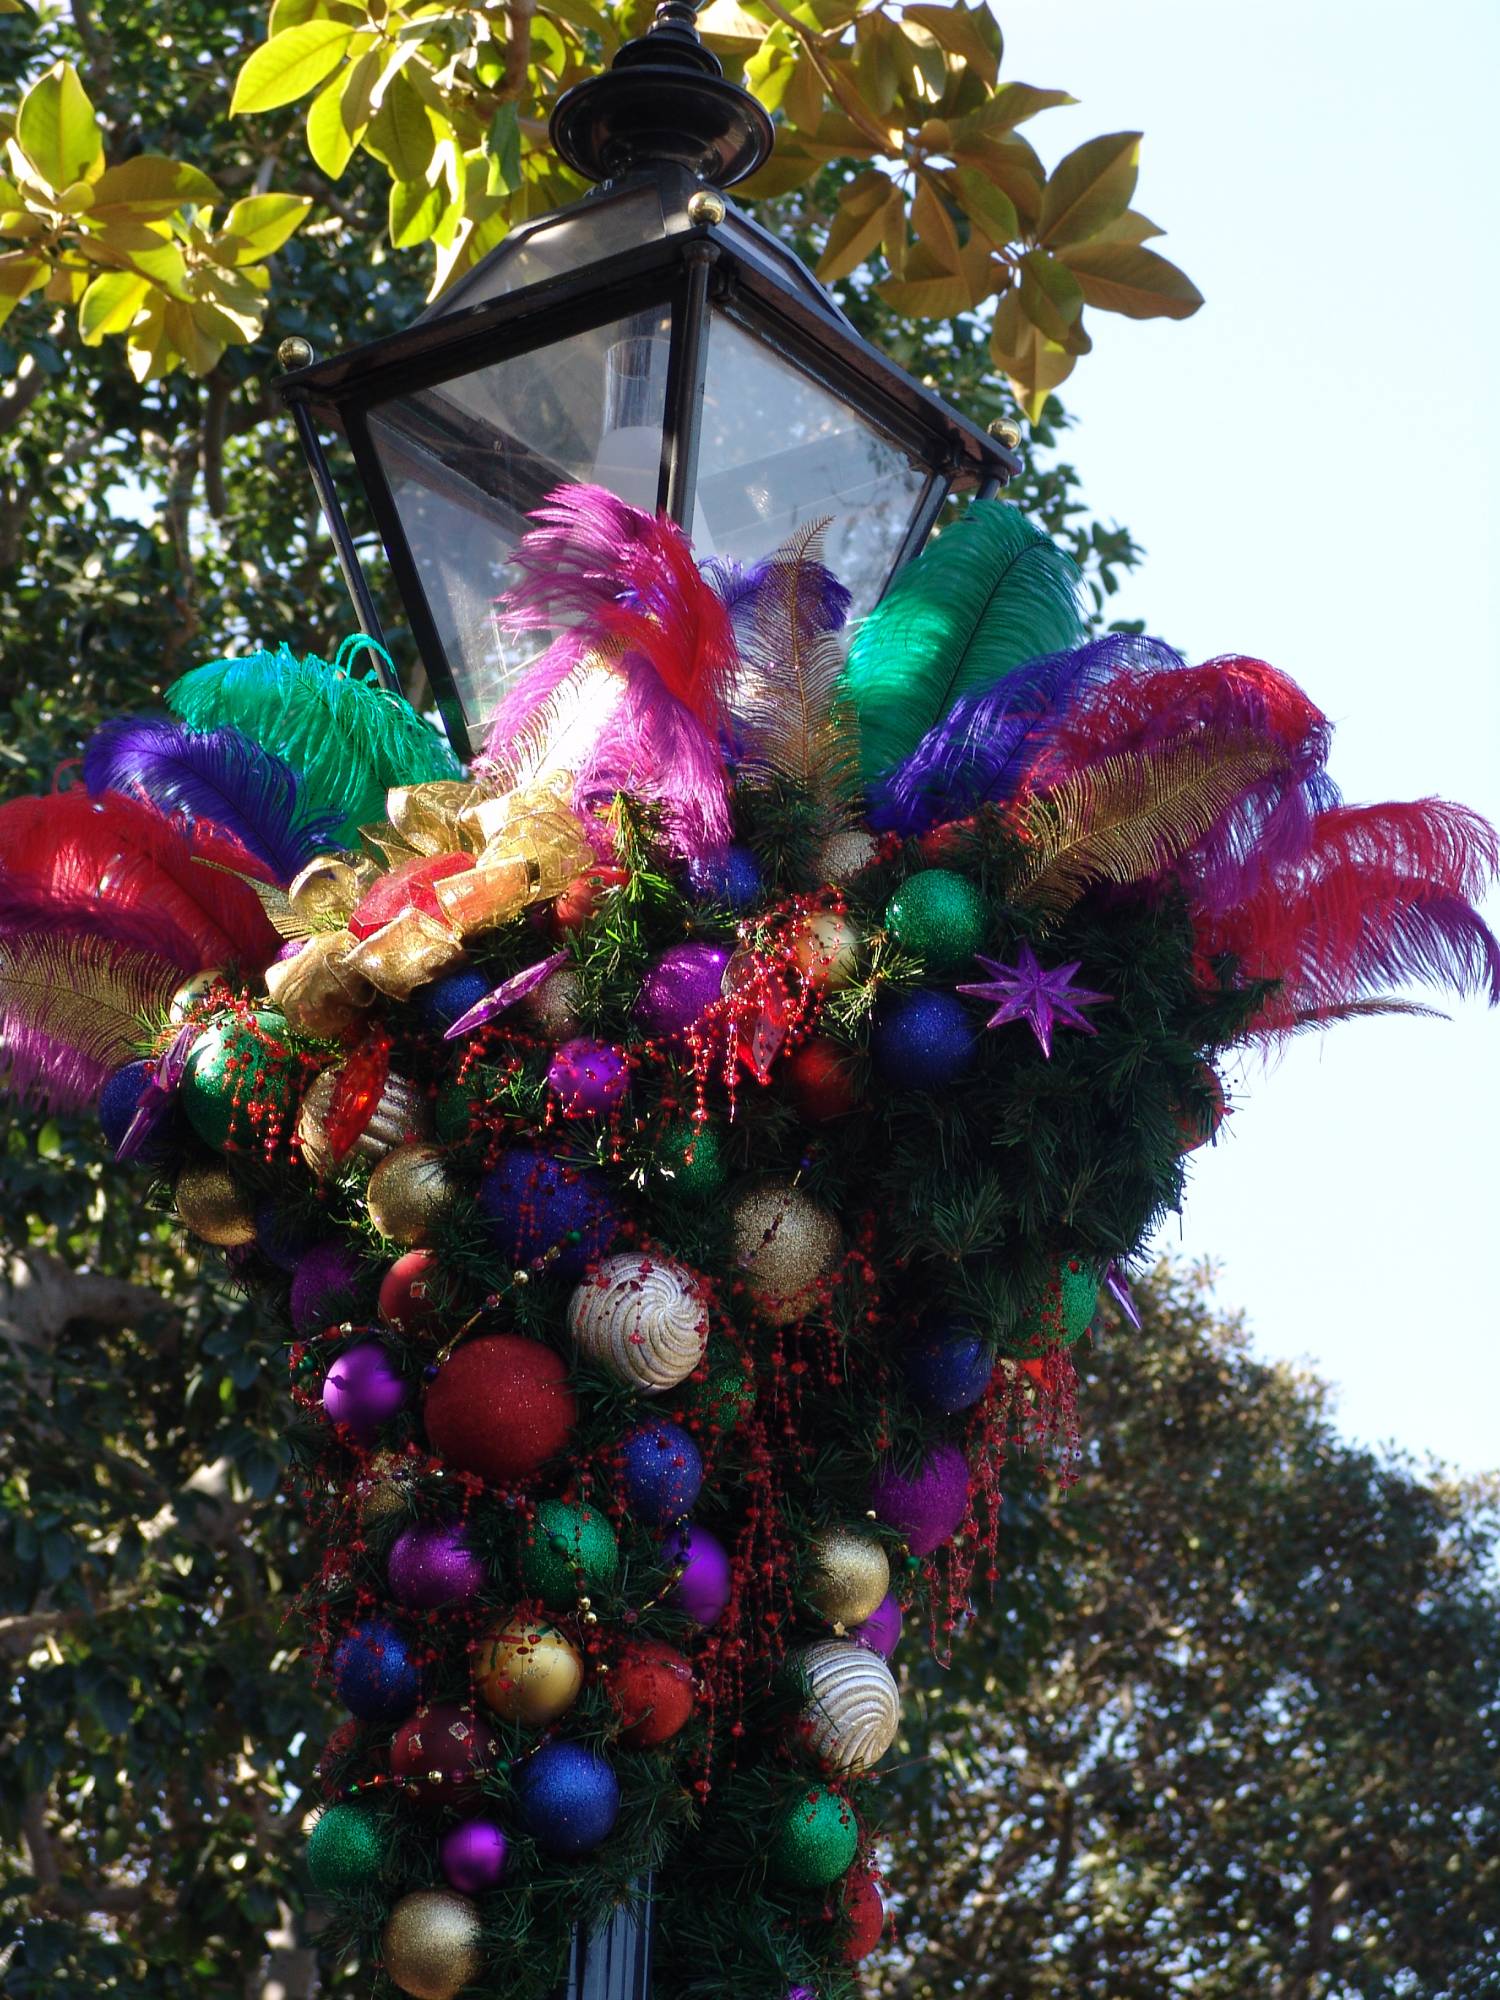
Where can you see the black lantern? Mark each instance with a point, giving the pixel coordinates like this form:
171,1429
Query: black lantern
650,339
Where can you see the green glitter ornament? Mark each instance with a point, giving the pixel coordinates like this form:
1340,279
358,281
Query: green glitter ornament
693,1158
570,1553
815,1840
1064,1313
232,1069
726,1395
940,916
345,1851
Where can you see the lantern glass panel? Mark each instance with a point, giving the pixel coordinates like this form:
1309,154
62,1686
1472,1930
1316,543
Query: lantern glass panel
571,241
779,450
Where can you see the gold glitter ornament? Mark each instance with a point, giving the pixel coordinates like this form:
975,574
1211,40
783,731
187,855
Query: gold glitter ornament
853,1709
430,1944
212,1204
191,991
408,1192
825,947
384,1488
553,1008
402,1114
847,1575
784,1242
641,1319
528,1672
843,855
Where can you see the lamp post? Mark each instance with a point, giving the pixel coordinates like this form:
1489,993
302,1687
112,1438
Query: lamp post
651,339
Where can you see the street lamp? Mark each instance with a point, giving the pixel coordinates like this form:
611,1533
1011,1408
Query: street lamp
651,339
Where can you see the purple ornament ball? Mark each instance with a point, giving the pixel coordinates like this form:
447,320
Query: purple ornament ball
928,1509
679,986
363,1390
703,1583
324,1286
473,1856
589,1077
881,1631
432,1565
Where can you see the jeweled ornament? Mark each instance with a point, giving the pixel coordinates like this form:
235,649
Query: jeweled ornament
928,1505
472,1856
374,1674
528,1672
569,1798
703,1577
661,1471
432,1567
239,1082
940,916
345,1850
211,1203
651,1686
363,1390
814,1840
853,1708
441,1753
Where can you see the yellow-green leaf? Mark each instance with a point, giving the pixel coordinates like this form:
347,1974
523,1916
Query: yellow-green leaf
414,212
770,69
151,186
290,64
58,130
259,225
971,35
1011,104
1035,364
20,273
1009,164
201,349
933,224
1051,297
1090,188
857,227
292,13
401,133
727,28
147,348
1131,227
329,139
788,168
110,304
1124,278
938,295
988,207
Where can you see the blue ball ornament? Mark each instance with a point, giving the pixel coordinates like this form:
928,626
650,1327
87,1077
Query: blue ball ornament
922,1040
662,1472
948,1368
373,1672
539,1205
732,876
117,1106
569,1798
281,1238
441,1003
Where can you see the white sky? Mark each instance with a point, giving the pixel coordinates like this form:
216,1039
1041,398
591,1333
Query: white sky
1311,464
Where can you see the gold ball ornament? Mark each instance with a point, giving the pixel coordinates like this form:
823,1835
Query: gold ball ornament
430,1944
784,1242
528,1672
408,1192
191,992
384,1488
553,1008
213,1205
402,1114
825,947
847,1576
853,1708
641,1319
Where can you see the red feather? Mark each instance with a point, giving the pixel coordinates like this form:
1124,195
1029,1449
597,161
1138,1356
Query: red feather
1136,708
118,856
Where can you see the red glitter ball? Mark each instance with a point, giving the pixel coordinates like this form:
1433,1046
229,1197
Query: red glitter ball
501,1407
413,1296
652,1687
441,1752
407,887
821,1080
865,1915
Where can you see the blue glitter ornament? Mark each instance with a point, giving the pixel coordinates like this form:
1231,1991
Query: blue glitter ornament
373,1672
731,876
922,1040
662,1472
441,1003
280,1237
569,1798
948,1368
117,1105
539,1205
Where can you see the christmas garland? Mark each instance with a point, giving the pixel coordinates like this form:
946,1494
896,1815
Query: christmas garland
684,1150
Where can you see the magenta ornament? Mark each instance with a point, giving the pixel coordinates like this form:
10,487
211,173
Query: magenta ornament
928,1509
432,1565
363,1390
589,1077
473,1856
679,987
703,1581
881,1631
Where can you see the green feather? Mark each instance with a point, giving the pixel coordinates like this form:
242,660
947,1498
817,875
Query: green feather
991,592
348,738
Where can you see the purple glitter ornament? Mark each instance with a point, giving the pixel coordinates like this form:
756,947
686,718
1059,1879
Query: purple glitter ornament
881,1631
703,1583
363,1390
323,1287
801,1993
589,1077
927,1510
290,950
432,1565
473,1856
679,986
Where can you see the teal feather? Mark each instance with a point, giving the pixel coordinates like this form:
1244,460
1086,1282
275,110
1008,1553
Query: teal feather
348,738
990,593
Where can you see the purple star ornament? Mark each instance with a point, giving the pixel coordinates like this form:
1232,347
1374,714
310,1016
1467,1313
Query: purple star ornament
1043,1000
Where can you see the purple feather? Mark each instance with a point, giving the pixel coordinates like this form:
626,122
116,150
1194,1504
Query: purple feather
219,775
740,585
48,1071
655,747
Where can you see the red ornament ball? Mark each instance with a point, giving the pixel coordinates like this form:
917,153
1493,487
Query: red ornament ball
1199,1121
822,1081
413,1296
579,900
652,1687
864,1916
500,1407
440,1754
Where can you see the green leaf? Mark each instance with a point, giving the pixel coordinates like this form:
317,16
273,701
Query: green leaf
857,227
58,130
505,147
1090,188
329,139
1011,105
1131,227
289,65
1035,364
20,273
259,225
1124,278
1051,297
988,207
401,133
972,36
151,185
110,305
414,212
